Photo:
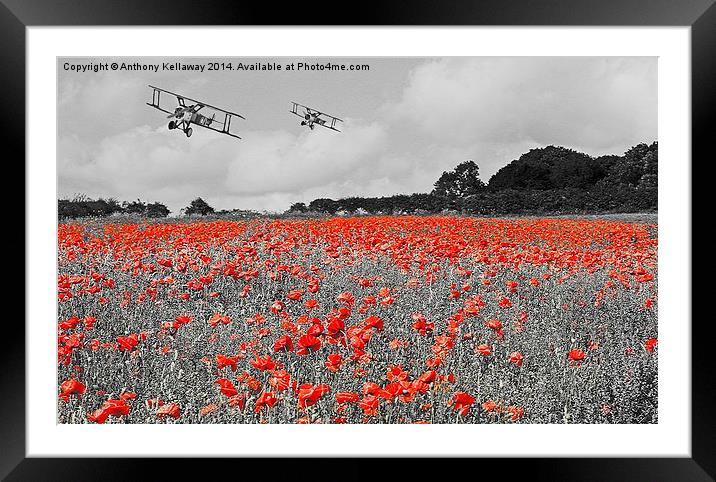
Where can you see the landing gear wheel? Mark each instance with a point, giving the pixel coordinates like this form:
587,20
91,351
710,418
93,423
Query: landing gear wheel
172,125
188,132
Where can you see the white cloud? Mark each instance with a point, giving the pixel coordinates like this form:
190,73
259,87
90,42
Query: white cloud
598,105
284,162
270,166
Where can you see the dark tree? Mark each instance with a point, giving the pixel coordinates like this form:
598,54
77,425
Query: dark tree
549,168
461,182
298,208
324,205
134,207
198,206
157,210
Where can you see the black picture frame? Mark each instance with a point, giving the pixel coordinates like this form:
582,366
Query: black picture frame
700,15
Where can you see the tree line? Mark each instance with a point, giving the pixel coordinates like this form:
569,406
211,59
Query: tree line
549,180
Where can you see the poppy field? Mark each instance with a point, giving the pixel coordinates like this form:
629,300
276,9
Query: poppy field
358,320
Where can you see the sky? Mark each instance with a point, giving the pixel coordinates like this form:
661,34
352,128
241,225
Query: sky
406,120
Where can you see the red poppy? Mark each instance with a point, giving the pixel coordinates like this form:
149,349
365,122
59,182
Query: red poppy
347,397
226,361
308,394
218,318
267,399
263,362
493,324
334,362
396,373
280,380
484,350
238,401
116,408
294,295
374,322
650,344
517,358
127,343
127,396
227,388
308,344
283,343
68,387
461,402
515,412
276,307
576,355
369,404
169,410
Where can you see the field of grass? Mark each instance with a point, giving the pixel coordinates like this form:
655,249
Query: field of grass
359,320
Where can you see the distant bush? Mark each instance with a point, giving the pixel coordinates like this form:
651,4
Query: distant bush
198,206
83,207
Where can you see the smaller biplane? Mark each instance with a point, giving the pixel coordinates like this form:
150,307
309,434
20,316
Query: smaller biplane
184,115
311,117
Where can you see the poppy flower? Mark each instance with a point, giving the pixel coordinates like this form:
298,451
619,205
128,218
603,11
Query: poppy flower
308,394
369,404
127,343
308,344
263,362
461,402
515,412
336,327
68,387
484,350
127,396
334,362
396,373
294,295
504,303
374,322
169,410
280,380
218,318
346,297
223,361
226,387
493,324
283,343
238,401
207,409
115,408
315,329
650,344
267,399
277,307
347,397
517,358
576,355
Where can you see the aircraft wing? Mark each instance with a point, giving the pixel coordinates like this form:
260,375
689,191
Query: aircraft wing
311,110
183,98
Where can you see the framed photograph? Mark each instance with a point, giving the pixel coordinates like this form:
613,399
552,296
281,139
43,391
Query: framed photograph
436,232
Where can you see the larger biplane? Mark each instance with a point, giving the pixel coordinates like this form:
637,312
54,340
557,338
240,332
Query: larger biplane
187,113
312,116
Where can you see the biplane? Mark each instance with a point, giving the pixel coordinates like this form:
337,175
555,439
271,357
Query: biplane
184,115
311,117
